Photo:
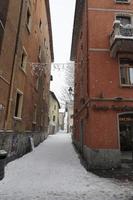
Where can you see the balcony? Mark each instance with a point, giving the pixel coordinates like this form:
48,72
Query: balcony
121,39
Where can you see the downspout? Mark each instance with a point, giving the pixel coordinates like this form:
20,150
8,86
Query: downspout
87,40
13,71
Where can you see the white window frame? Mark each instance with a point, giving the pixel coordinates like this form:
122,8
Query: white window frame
122,84
20,105
39,53
28,22
122,2
23,63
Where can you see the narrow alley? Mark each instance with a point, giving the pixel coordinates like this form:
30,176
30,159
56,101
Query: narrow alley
52,171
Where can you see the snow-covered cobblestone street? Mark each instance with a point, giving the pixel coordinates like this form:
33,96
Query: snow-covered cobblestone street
53,172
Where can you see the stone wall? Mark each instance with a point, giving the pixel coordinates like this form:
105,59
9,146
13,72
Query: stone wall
99,158
18,144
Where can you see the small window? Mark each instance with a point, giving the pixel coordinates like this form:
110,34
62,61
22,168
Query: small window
39,53
122,1
35,114
37,83
2,28
124,20
54,118
24,59
126,71
28,20
18,106
40,25
42,118
51,78
44,93
44,42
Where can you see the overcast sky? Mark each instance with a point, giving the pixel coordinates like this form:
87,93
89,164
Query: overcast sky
62,14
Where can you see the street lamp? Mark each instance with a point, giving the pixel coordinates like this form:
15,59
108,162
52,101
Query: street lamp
70,90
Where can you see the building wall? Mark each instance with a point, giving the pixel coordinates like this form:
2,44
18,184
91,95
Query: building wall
61,120
70,116
53,115
25,80
97,83
8,40
36,41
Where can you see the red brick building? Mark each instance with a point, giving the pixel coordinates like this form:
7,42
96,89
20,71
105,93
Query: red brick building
25,41
102,48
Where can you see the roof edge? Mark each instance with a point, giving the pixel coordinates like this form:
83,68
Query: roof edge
50,29
76,26
54,96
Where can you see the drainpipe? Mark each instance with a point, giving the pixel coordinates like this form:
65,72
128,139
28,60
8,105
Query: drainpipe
87,39
10,95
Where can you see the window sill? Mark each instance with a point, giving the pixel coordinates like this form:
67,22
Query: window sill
23,70
17,118
126,86
28,28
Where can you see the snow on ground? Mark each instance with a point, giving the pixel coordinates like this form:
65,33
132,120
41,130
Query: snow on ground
53,172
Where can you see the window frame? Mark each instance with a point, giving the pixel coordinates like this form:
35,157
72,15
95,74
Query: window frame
23,63
20,105
130,85
37,83
122,2
123,14
34,121
39,53
54,118
40,25
28,22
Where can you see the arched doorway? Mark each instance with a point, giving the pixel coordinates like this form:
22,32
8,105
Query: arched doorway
126,136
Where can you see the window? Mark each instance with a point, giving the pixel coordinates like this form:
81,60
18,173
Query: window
37,83
24,59
44,93
44,42
126,71
35,114
39,53
28,20
124,20
122,1
54,118
3,17
2,28
19,103
42,118
40,25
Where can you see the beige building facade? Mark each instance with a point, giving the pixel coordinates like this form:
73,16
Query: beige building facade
54,107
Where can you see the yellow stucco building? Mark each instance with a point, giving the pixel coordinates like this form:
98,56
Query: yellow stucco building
54,107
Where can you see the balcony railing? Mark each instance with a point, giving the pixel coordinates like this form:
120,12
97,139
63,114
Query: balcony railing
121,32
